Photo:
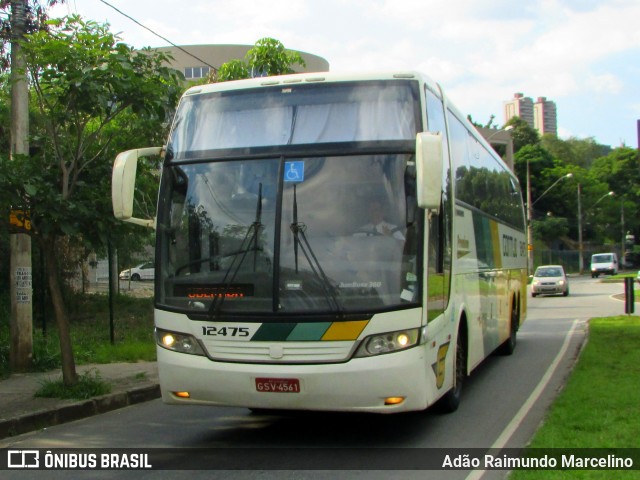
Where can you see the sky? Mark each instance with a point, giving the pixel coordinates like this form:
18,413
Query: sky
582,54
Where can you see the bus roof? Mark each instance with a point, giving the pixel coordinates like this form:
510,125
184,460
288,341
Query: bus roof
317,77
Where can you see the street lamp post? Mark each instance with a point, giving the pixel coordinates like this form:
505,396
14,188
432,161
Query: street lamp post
580,244
500,130
530,205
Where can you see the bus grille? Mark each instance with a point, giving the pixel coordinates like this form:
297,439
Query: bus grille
280,352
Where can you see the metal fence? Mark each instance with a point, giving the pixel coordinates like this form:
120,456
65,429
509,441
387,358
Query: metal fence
569,259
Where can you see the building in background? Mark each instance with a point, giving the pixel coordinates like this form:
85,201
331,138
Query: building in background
499,137
540,115
545,117
519,106
196,61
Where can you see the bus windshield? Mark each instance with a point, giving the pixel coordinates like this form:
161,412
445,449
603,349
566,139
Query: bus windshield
294,115
323,235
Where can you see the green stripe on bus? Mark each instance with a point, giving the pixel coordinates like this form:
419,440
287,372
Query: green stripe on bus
308,331
276,332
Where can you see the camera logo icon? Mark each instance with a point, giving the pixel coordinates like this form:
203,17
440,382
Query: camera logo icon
23,459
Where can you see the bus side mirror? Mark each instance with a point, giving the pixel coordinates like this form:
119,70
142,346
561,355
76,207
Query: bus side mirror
123,183
429,160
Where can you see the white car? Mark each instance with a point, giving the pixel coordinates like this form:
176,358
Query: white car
144,271
549,280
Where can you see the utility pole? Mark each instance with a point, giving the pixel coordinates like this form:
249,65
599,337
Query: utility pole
580,246
21,326
530,257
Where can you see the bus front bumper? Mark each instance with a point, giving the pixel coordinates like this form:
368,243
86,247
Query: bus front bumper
388,383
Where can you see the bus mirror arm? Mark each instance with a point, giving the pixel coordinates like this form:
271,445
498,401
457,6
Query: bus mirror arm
123,180
429,160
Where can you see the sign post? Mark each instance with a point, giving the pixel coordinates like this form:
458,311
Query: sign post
629,300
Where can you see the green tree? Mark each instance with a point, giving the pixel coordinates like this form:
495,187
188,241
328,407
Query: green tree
550,228
538,160
489,124
574,151
36,19
232,70
268,57
83,80
620,171
522,133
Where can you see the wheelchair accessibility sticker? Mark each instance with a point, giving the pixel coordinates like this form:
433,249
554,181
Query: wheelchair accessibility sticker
294,171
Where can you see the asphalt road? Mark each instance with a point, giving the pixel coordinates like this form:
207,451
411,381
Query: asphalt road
503,403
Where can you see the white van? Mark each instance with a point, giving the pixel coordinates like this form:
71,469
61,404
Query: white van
604,263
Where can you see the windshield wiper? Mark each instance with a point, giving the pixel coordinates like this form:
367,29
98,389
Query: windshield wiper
299,229
251,240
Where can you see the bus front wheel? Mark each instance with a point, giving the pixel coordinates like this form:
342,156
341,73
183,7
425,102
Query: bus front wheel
451,400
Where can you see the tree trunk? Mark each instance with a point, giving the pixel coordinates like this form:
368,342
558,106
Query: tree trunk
69,375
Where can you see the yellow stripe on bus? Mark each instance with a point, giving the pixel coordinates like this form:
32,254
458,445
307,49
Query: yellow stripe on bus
345,330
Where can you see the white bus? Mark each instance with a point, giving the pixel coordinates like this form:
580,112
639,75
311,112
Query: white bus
329,242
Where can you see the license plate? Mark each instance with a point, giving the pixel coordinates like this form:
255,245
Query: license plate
278,385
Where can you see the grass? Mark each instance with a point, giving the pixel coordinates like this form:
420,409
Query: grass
598,408
89,385
90,333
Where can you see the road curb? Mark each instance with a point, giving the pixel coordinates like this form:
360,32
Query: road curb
76,411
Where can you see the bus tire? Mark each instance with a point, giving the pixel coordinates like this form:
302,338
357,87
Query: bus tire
509,345
450,401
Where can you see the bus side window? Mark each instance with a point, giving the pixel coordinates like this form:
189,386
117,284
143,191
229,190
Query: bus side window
440,225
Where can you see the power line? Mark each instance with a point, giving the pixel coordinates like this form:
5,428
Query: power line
158,35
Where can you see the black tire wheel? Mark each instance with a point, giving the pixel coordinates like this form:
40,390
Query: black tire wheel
450,402
534,295
135,277
509,345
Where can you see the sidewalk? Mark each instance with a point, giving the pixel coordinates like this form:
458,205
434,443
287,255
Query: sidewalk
21,412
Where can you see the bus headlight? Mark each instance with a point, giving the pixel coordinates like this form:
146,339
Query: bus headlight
388,342
178,342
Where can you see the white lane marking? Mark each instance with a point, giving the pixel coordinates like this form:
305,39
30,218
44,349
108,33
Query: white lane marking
510,429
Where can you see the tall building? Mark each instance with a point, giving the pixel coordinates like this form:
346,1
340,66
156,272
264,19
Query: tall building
545,118
519,106
540,115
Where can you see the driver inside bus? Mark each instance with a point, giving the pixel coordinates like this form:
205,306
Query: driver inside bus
378,225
